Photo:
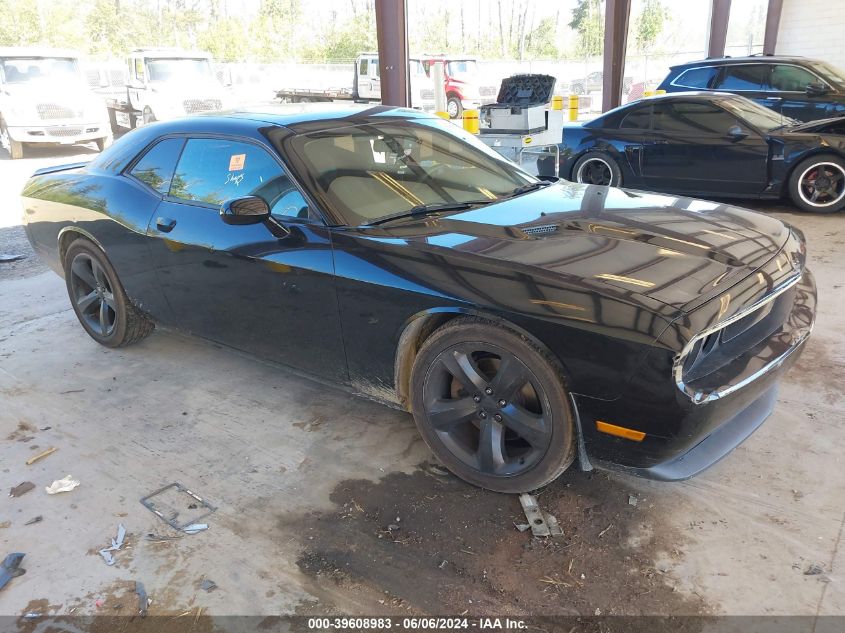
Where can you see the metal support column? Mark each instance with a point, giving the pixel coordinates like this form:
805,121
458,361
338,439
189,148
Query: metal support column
617,14
720,13
770,39
392,35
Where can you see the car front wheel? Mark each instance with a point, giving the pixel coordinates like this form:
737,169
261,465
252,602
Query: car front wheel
818,184
98,298
492,406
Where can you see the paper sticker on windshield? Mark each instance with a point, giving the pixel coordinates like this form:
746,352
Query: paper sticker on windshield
236,162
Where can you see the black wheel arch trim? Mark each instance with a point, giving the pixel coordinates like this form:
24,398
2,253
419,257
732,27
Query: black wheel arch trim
80,232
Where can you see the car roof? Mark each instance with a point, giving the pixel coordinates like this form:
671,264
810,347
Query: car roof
748,59
293,114
37,51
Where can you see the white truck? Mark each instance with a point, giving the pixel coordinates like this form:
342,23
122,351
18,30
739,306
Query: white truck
364,85
165,83
45,99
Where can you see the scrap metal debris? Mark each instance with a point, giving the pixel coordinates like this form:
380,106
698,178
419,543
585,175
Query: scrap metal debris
65,484
158,538
34,459
208,585
21,489
6,258
116,544
814,570
169,512
11,568
143,601
632,500
542,523
34,520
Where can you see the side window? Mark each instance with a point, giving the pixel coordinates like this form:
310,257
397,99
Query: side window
139,68
743,77
216,170
699,78
363,69
637,119
156,166
791,78
687,117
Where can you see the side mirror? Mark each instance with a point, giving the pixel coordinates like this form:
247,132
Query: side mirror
245,210
815,89
736,133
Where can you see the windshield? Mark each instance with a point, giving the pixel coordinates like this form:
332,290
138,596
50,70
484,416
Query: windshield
831,73
161,69
462,67
416,67
368,172
761,118
23,70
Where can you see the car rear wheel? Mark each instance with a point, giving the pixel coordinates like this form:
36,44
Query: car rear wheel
818,184
492,406
597,168
98,298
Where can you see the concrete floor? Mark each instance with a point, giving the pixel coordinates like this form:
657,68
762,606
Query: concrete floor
276,453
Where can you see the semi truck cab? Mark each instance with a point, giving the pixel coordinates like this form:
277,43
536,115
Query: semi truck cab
45,99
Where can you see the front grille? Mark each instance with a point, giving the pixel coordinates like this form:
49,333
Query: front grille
543,229
488,91
48,111
195,106
64,131
427,94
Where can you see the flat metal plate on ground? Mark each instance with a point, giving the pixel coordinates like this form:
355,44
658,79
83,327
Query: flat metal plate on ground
175,501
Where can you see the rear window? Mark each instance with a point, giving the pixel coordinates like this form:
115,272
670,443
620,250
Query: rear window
156,166
744,77
698,78
637,119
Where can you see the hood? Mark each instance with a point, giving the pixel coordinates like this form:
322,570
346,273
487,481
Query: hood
833,125
677,251
39,101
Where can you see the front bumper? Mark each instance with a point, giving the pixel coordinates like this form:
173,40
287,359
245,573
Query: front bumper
63,134
684,437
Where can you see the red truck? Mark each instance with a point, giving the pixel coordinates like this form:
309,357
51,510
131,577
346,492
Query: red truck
462,83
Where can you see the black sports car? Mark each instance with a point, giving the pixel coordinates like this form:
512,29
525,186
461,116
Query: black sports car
710,144
522,322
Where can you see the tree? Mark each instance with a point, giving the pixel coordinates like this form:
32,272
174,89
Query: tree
542,41
588,23
649,24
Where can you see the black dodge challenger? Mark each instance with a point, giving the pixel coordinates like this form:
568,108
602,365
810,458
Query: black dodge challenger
710,144
522,322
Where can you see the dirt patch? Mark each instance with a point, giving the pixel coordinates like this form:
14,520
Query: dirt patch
13,241
423,543
818,370
22,433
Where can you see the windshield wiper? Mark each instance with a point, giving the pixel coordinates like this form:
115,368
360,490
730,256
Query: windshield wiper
425,209
533,186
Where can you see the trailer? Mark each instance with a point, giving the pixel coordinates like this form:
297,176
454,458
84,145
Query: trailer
363,85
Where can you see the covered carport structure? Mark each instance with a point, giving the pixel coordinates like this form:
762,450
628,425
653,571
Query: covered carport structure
392,35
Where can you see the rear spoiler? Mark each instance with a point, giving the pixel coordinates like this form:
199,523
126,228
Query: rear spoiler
55,168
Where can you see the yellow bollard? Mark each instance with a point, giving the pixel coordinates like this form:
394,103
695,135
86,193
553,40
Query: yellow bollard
660,92
443,115
573,107
648,93
471,124
557,102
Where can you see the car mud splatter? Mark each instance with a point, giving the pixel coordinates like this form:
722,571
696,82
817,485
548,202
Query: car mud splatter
427,543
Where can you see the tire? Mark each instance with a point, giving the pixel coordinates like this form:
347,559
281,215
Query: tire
98,298
454,107
512,429
828,169
103,143
597,168
15,148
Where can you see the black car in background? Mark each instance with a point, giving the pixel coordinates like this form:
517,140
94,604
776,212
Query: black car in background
522,323
710,144
796,87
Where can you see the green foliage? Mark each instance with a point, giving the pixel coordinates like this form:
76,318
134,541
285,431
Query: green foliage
587,21
542,41
343,42
649,24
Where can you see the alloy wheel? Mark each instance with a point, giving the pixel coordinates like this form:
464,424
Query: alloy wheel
822,185
488,409
594,171
93,294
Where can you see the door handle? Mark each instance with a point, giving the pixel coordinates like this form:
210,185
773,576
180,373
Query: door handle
165,225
